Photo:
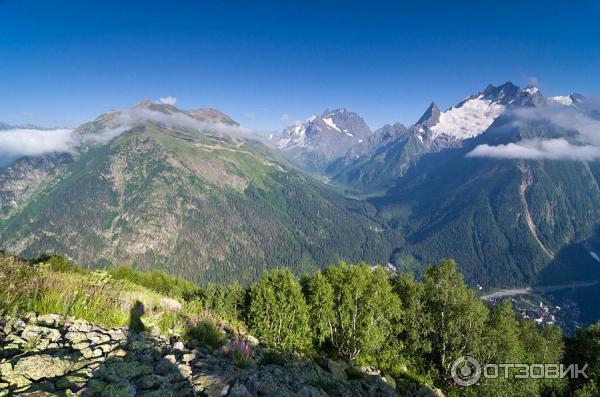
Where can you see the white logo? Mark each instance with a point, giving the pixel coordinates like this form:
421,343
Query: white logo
465,371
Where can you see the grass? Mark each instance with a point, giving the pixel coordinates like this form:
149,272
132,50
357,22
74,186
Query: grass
59,286
156,281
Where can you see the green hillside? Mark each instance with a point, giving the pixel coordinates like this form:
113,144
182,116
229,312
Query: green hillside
200,204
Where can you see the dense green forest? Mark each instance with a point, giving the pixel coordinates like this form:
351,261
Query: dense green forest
201,207
410,329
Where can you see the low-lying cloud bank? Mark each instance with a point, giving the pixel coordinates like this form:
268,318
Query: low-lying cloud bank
131,117
584,146
538,149
15,143
20,142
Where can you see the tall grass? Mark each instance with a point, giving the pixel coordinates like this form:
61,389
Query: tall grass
59,286
157,281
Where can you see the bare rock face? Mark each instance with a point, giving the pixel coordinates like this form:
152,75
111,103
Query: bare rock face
49,355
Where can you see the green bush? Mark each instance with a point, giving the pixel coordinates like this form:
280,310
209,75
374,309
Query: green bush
279,313
226,302
273,357
205,331
60,264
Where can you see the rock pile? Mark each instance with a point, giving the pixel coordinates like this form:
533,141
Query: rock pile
48,355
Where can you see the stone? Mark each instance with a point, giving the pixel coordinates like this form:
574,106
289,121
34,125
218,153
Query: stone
119,352
239,390
97,337
80,326
121,389
49,319
184,370
33,332
252,340
71,381
17,380
5,368
31,317
165,366
225,390
188,357
76,337
178,346
80,345
42,366
117,334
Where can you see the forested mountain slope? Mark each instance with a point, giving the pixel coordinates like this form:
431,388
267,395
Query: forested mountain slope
188,192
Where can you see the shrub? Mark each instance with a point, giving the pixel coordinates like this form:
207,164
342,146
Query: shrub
279,313
242,352
227,302
272,357
60,264
204,331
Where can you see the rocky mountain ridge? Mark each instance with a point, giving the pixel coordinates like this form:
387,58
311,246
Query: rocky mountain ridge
50,355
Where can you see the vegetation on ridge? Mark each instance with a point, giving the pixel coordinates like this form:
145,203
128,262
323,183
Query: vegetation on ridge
409,329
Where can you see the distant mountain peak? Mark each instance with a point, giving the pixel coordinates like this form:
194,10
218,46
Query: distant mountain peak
476,113
431,115
572,99
328,135
144,103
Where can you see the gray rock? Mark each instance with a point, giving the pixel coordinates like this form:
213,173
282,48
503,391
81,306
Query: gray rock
178,346
239,390
50,320
42,366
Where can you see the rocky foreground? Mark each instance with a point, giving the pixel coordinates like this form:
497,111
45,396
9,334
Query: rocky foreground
49,355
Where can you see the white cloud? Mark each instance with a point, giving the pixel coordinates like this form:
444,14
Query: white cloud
250,116
169,100
19,142
584,144
539,149
285,118
135,116
16,143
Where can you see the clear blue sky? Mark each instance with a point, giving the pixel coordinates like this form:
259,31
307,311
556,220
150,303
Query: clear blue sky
65,62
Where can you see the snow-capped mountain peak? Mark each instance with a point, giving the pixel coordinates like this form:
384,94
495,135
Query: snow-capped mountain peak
331,134
568,100
476,113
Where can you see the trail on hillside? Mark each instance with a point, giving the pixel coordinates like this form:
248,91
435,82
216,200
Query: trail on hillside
525,183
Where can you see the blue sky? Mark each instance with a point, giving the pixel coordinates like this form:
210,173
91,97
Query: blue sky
65,62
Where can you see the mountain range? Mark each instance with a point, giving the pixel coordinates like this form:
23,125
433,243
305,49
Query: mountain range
505,182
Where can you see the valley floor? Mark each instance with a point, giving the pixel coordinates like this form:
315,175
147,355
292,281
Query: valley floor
506,293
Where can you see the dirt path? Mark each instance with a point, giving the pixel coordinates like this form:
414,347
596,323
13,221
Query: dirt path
525,183
532,290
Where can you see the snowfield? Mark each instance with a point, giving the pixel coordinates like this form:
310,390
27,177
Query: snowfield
469,120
